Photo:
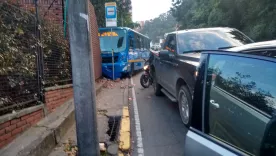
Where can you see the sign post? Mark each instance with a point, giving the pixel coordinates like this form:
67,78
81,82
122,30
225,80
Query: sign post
111,21
111,14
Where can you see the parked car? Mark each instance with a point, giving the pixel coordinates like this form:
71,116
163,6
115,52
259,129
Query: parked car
234,105
174,68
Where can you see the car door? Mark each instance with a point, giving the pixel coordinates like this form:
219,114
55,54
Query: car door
169,65
239,104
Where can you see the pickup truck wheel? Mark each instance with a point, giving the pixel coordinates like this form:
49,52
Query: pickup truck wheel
185,105
156,86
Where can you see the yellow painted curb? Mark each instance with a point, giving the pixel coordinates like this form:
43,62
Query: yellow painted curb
125,112
120,153
124,139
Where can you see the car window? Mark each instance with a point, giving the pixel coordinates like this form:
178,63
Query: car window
210,40
171,43
240,100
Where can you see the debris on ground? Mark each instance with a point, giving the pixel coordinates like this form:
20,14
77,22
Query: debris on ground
112,84
70,149
102,112
131,86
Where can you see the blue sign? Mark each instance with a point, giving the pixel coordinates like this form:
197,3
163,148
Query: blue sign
110,12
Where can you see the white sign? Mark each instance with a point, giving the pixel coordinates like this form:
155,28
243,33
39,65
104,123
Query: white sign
111,14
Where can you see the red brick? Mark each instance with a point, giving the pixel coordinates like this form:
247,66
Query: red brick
2,131
16,131
26,126
10,139
36,112
2,144
39,115
21,123
10,128
5,137
25,116
14,121
4,125
30,119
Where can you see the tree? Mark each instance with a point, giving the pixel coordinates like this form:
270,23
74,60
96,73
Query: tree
255,18
157,27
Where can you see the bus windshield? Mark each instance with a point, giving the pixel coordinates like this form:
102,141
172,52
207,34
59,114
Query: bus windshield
115,39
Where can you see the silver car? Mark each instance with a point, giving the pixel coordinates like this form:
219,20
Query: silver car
234,104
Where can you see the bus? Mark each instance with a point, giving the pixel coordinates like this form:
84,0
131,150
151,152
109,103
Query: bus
126,48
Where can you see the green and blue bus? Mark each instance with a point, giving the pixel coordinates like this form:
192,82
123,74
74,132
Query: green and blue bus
129,49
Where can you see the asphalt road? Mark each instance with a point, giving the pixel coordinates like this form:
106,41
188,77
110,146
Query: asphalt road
162,131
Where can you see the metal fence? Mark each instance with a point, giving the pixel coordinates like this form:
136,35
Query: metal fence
56,56
32,56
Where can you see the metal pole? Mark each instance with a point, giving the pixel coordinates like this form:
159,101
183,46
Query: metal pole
112,57
83,79
40,60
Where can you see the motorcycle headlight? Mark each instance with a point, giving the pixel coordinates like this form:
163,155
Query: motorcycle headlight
146,67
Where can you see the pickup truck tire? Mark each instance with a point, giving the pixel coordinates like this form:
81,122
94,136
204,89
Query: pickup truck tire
185,105
156,86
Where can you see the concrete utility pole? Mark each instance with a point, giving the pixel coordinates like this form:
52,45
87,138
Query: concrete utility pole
83,78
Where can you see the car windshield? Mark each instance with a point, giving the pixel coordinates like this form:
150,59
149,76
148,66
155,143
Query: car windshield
210,40
115,39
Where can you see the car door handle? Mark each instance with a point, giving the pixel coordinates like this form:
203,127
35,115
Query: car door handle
214,104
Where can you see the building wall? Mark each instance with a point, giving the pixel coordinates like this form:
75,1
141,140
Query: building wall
95,43
48,9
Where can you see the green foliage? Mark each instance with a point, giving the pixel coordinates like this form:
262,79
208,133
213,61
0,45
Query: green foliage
17,41
256,18
124,17
19,46
157,27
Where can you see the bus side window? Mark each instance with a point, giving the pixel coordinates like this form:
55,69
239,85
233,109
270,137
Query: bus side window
131,43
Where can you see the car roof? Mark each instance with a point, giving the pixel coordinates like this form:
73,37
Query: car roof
201,29
255,46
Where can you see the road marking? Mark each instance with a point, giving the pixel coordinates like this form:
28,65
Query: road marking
139,141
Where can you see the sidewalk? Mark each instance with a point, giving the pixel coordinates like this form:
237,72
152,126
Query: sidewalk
110,103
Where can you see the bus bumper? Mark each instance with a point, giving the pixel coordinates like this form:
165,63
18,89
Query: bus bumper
119,70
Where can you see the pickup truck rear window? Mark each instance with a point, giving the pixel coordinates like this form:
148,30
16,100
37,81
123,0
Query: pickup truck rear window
210,40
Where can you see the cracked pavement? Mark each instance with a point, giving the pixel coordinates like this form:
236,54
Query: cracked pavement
163,132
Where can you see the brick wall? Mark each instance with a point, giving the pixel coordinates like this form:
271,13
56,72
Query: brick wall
10,129
95,43
57,97
53,14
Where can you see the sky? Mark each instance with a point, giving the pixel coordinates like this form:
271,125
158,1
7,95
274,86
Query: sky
148,9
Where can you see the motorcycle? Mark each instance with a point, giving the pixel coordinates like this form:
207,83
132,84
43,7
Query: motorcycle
146,79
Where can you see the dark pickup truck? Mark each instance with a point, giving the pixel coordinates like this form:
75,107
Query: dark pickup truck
174,68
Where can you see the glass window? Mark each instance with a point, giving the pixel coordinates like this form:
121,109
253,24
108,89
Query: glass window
210,40
171,43
240,99
115,39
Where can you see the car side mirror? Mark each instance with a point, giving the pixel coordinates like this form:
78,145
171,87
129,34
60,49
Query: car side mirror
164,54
